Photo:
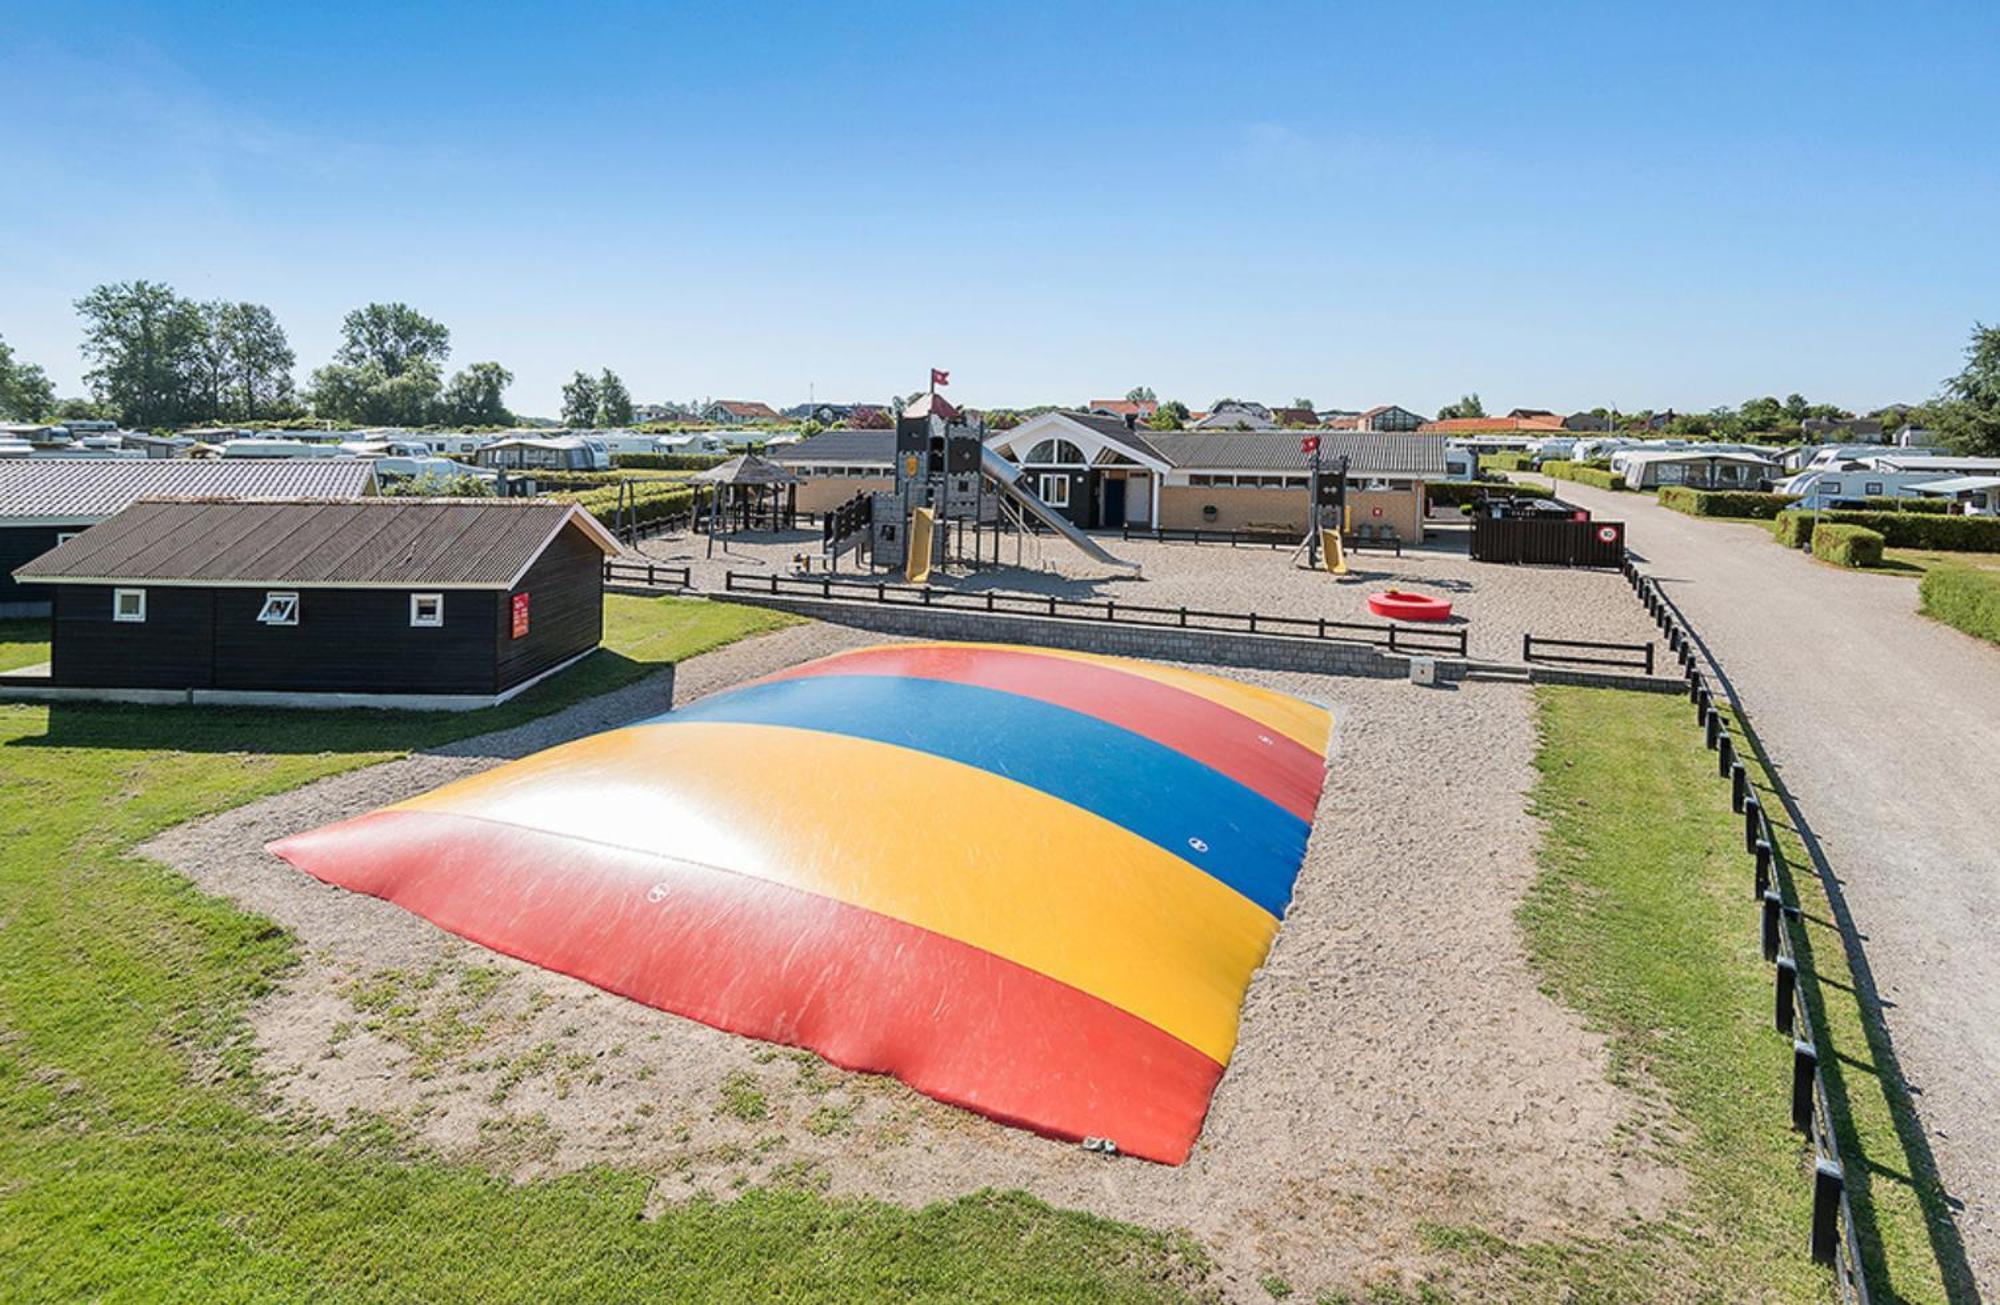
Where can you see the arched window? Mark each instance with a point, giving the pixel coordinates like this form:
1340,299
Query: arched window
1055,453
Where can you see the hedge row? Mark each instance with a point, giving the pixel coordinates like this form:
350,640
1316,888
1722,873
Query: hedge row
1934,506
1847,545
1509,461
643,503
1583,474
1741,504
1452,493
1945,534
670,461
1963,597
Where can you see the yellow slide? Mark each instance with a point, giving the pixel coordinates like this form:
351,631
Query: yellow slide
1330,554
917,565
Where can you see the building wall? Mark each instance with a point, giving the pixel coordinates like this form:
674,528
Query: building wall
20,545
171,649
351,640
825,493
565,590
1286,509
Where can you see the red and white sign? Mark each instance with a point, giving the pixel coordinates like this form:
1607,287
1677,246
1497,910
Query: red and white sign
520,616
1607,534
1309,445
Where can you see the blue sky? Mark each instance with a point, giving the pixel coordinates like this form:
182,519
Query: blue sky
1555,205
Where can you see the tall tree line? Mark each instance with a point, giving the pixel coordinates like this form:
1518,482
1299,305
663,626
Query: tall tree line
159,359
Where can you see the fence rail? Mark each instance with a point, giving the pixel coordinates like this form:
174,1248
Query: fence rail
1535,648
652,575
1195,535
1394,638
1834,1240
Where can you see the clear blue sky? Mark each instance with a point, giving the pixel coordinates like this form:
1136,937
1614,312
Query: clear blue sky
1554,205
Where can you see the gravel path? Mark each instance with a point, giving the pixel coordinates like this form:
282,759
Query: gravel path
1499,602
1887,728
1397,1065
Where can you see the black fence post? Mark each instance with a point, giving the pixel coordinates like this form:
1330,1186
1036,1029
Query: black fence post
1773,917
1527,646
1763,853
1739,785
1649,657
1725,756
1827,1185
1711,727
1805,1067
1784,1008
1753,811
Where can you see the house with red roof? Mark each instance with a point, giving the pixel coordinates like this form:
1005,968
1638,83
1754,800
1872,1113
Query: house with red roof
724,411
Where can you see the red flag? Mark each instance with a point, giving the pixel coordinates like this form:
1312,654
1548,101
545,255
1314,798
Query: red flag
1309,445
940,378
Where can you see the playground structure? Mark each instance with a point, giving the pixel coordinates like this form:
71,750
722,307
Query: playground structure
748,493
955,502
1402,605
1058,936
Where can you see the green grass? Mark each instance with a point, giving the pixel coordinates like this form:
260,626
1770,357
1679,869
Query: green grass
23,643
1918,561
141,1160
1642,919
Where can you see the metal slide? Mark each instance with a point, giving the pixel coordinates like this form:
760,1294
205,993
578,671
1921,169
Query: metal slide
1008,477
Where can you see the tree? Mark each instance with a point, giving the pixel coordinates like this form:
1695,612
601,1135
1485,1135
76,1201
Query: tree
1968,413
1307,404
1171,415
245,363
1762,414
146,344
476,396
614,401
394,337
1140,394
433,485
1467,406
26,393
579,402
368,396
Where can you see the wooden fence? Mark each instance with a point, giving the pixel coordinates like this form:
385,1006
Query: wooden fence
1545,541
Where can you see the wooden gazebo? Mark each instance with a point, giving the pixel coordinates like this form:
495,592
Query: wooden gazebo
749,493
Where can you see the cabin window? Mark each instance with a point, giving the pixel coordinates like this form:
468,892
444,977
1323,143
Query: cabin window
1829,486
279,609
1058,452
128,605
1199,482
426,610
64,536
1055,490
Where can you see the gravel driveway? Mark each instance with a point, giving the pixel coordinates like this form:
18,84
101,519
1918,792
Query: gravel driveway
1887,730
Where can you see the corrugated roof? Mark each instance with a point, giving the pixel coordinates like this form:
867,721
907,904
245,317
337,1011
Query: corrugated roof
843,446
84,490
386,542
746,469
1371,454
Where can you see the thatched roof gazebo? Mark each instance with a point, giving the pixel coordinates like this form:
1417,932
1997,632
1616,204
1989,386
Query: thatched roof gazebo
749,493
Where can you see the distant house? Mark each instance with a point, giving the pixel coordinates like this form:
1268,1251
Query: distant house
727,411
835,465
1235,414
45,501
1536,415
378,602
1490,425
1588,422
1295,416
1389,417
1143,409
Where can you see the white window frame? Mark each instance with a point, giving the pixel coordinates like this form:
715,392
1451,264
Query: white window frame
281,607
418,621
1052,487
137,616
64,536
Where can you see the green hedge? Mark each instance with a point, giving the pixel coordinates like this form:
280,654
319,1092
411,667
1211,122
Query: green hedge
1945,534
1740,504
1507,461
1452,493
1934,506
1793,527
670,461
1963,597
645,502
1584,474
1847,545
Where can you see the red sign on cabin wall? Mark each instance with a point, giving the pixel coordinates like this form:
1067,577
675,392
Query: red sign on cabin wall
520,616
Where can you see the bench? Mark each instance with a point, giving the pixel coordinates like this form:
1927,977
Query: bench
1370,535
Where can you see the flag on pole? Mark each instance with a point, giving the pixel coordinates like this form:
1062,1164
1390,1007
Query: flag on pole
1309,445
939,378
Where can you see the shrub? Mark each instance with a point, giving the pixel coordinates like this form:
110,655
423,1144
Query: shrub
1584,474
1507,461
1935,506
1740,504
1793,527
1847,545
670,461
1451,493
1963,597
643,502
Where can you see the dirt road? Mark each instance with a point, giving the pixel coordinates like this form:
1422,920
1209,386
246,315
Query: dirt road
1886,728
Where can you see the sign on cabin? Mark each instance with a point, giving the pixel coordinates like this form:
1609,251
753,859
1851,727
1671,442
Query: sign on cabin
520,616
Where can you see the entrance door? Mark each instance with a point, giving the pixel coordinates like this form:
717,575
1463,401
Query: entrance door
1114,502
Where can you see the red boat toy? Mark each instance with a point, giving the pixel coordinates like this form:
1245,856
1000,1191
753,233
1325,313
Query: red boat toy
1398,605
